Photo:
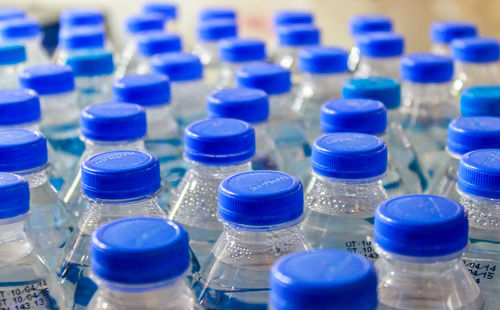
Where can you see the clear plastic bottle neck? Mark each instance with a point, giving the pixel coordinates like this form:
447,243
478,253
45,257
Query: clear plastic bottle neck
218,172
14,244
280,107
36,177
483,212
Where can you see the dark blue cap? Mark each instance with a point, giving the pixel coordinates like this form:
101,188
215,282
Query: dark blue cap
347,155
382,89
246,104
271,78
479,173
426,68
18,106
157,42
445,32
298,35
323,59
142,89
120,175
260,198
113,122
12,54
476,49
81,17
421,226
144,22
219,141
166,9
216,13
19,28
11,13
14,195
240,50
362,24
353,115
92,64
381,44
467,134
21,150
480,101
323,279
216,29
85,37
178,66
47,79
292,17
139,250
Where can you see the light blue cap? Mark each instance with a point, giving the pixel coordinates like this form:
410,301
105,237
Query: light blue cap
7,13
382,89
479,174
480,101
12,54
91,64
14,195
21,150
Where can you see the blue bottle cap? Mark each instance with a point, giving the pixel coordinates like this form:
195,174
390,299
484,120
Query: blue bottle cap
292,17
446,31
216,13
113,122
347,155
476,50
298,35
22,150
139,250
246,104
81,17
479,173
467,134
142,89
18,106
144,22
157,42
241,50
353,115
84,37
216,29
426,68
323,59
178,66
14,195
271,78
167,9
120,175
92,64
12,54
48,79
382,89
7,13
421,226
362,24
219,141
260,198
323,279
381,44
480,101
19,28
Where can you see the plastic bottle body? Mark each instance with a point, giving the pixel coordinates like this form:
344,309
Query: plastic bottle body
371,66
440,49
475,74
188,101
207,51
93,90
226,77
287,56
35,53
444,179
9,76
267,155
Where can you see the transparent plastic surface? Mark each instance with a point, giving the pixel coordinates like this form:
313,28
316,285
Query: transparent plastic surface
129,61
444,181
267,156
8,76
287,57
188,101
475,74
208,54
226,77
93,89
385,67
440,49
35,52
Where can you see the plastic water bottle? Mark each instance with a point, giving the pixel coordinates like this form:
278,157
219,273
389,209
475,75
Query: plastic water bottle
292,38
26,280
7,13
284,126
261,212
141,263
444,32
167,10
323,71
380,54
344,190
188,90
115,185
480,101
421,239
323,279
465,134
49,225
150,44
25,31
215,149
476,62
12,58
478,179
252,106
234,54
105,127
80,40
292,17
